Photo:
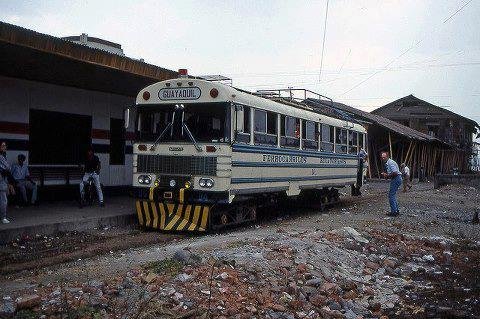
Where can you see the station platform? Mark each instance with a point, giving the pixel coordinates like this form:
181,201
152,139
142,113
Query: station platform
62,216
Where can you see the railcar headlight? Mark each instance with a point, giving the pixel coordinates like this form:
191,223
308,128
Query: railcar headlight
144,179
209,183
172,183
206,182
188,184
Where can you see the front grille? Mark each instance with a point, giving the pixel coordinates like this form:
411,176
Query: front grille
182,165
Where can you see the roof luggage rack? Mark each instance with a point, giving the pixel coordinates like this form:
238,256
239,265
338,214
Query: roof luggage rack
292,95
216,78
306,99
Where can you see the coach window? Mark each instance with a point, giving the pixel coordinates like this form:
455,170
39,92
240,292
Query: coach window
340,140
352,142
361,139
309,135
265,128
243,124
327,138
290,132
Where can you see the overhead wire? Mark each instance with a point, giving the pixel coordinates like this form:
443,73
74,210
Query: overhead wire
404,52
323,44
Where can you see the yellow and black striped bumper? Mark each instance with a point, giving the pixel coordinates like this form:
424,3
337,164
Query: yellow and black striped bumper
173,217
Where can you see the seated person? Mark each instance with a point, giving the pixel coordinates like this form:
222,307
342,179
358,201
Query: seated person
23,182
91,170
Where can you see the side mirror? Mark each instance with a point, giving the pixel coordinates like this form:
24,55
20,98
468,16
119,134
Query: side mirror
126,117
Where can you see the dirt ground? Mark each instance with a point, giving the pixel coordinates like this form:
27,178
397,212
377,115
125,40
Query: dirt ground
351,261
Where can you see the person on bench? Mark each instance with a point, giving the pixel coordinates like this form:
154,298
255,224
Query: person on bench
23,182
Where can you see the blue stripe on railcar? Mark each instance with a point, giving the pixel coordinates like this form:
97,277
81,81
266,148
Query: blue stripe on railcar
287,179
244,148
296,165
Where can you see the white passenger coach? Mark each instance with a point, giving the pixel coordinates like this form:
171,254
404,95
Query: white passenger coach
208,154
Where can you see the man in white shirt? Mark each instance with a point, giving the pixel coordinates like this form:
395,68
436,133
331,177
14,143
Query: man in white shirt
393,173
405,176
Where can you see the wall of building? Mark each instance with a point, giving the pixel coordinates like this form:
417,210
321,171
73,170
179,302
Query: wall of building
430,120
20,96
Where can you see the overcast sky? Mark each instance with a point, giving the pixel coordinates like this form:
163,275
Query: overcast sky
374,52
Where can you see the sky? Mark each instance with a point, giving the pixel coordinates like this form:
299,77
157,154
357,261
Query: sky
375,51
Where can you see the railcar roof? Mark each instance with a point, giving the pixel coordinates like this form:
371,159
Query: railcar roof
230,94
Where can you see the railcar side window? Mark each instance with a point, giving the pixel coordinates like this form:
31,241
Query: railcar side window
265,128
243,134
260,120
290,133
309,135
246,119
341,140
271,123
361,138
327,138
352,142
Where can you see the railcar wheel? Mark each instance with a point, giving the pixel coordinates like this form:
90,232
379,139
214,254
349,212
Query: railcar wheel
226,216
334,196
323,202
248,213
223,219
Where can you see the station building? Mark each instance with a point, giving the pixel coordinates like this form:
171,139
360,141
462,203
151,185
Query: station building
58,96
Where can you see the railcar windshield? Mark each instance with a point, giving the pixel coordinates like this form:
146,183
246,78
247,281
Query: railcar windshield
207,122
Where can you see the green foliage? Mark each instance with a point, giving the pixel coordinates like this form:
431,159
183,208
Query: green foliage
167,266
26,314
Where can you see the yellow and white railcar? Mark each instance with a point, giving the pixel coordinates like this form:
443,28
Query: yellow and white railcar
206,154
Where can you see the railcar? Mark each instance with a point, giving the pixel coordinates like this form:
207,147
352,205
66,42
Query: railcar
207,154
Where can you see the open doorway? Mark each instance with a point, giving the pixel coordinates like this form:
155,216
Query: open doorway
58,138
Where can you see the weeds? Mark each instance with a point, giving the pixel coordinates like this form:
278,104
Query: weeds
26,314
167,266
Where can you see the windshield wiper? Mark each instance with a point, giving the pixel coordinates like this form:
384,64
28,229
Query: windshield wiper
184,127
160,136
190,135
169,126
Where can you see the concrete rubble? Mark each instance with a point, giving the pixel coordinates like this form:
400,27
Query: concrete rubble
284,275
280,272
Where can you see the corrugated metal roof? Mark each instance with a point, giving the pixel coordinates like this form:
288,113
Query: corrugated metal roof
383,122
16,35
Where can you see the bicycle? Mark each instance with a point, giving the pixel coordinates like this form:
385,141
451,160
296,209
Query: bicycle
89,193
